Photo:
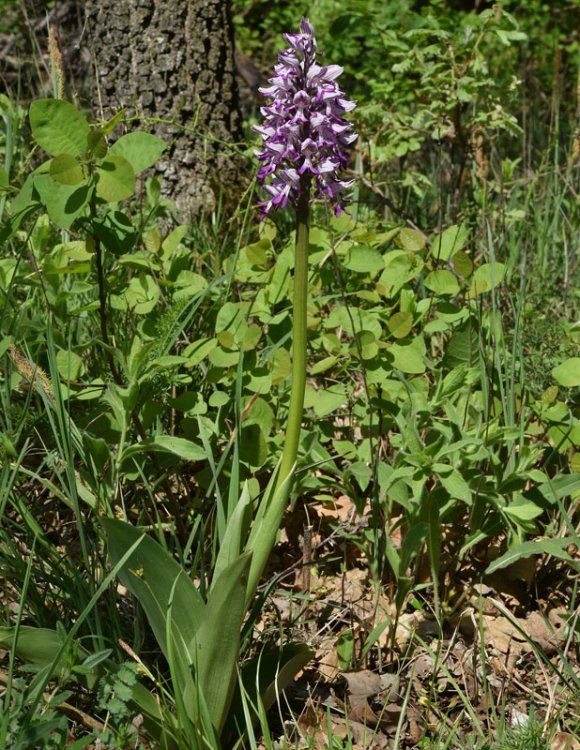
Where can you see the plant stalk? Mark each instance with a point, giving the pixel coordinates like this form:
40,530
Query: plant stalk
296,407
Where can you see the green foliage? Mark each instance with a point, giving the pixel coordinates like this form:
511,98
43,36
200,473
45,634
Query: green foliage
146,368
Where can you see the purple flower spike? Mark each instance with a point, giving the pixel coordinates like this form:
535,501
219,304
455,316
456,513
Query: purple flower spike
304,136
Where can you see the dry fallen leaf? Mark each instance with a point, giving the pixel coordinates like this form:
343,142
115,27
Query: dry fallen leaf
564,741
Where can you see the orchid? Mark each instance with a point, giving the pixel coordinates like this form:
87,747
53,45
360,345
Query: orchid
305,137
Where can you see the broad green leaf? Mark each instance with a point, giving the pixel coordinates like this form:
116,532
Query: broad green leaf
442,282
412,240
568,373
142,294
64,203
66,170
97,144
412,544
560,486
523,510
216,644
400,267
363,320
449,242
25,197
554,547
456,486
266,527
345,649
236,532
231,317
116,232
324,402
463,346
58,127
171,242
409,357
199,350
486,278
115,179
153,576
70,365
327,363
462,264
363,259
362,472
141,150
253,446
188,284
181,447
279,365
400,324
222,358
35,645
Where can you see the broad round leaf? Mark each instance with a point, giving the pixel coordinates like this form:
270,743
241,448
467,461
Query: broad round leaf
568,373
463,264
70,365
141,150
58,127
449,242
400,324
411,240
363,259
66,170
64,203
486,278
116,179
409,358
442,282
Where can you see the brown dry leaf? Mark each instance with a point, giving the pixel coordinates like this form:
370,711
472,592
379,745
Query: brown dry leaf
342,508
564,741
539,631
363,684
424,666
501,634
363,737
328,663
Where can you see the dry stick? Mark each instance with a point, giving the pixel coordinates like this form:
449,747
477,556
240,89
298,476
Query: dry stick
173,504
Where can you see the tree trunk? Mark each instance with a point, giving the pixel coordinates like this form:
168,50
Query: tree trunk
173,60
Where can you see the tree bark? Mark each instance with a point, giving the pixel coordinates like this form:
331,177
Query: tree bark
173,60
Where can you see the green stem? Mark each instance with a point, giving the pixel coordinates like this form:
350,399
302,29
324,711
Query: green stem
296,406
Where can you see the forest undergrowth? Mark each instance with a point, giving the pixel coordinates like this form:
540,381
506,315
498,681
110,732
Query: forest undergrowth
421,587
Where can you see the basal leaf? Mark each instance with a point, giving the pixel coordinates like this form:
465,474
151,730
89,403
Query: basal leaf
155,578
215,648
